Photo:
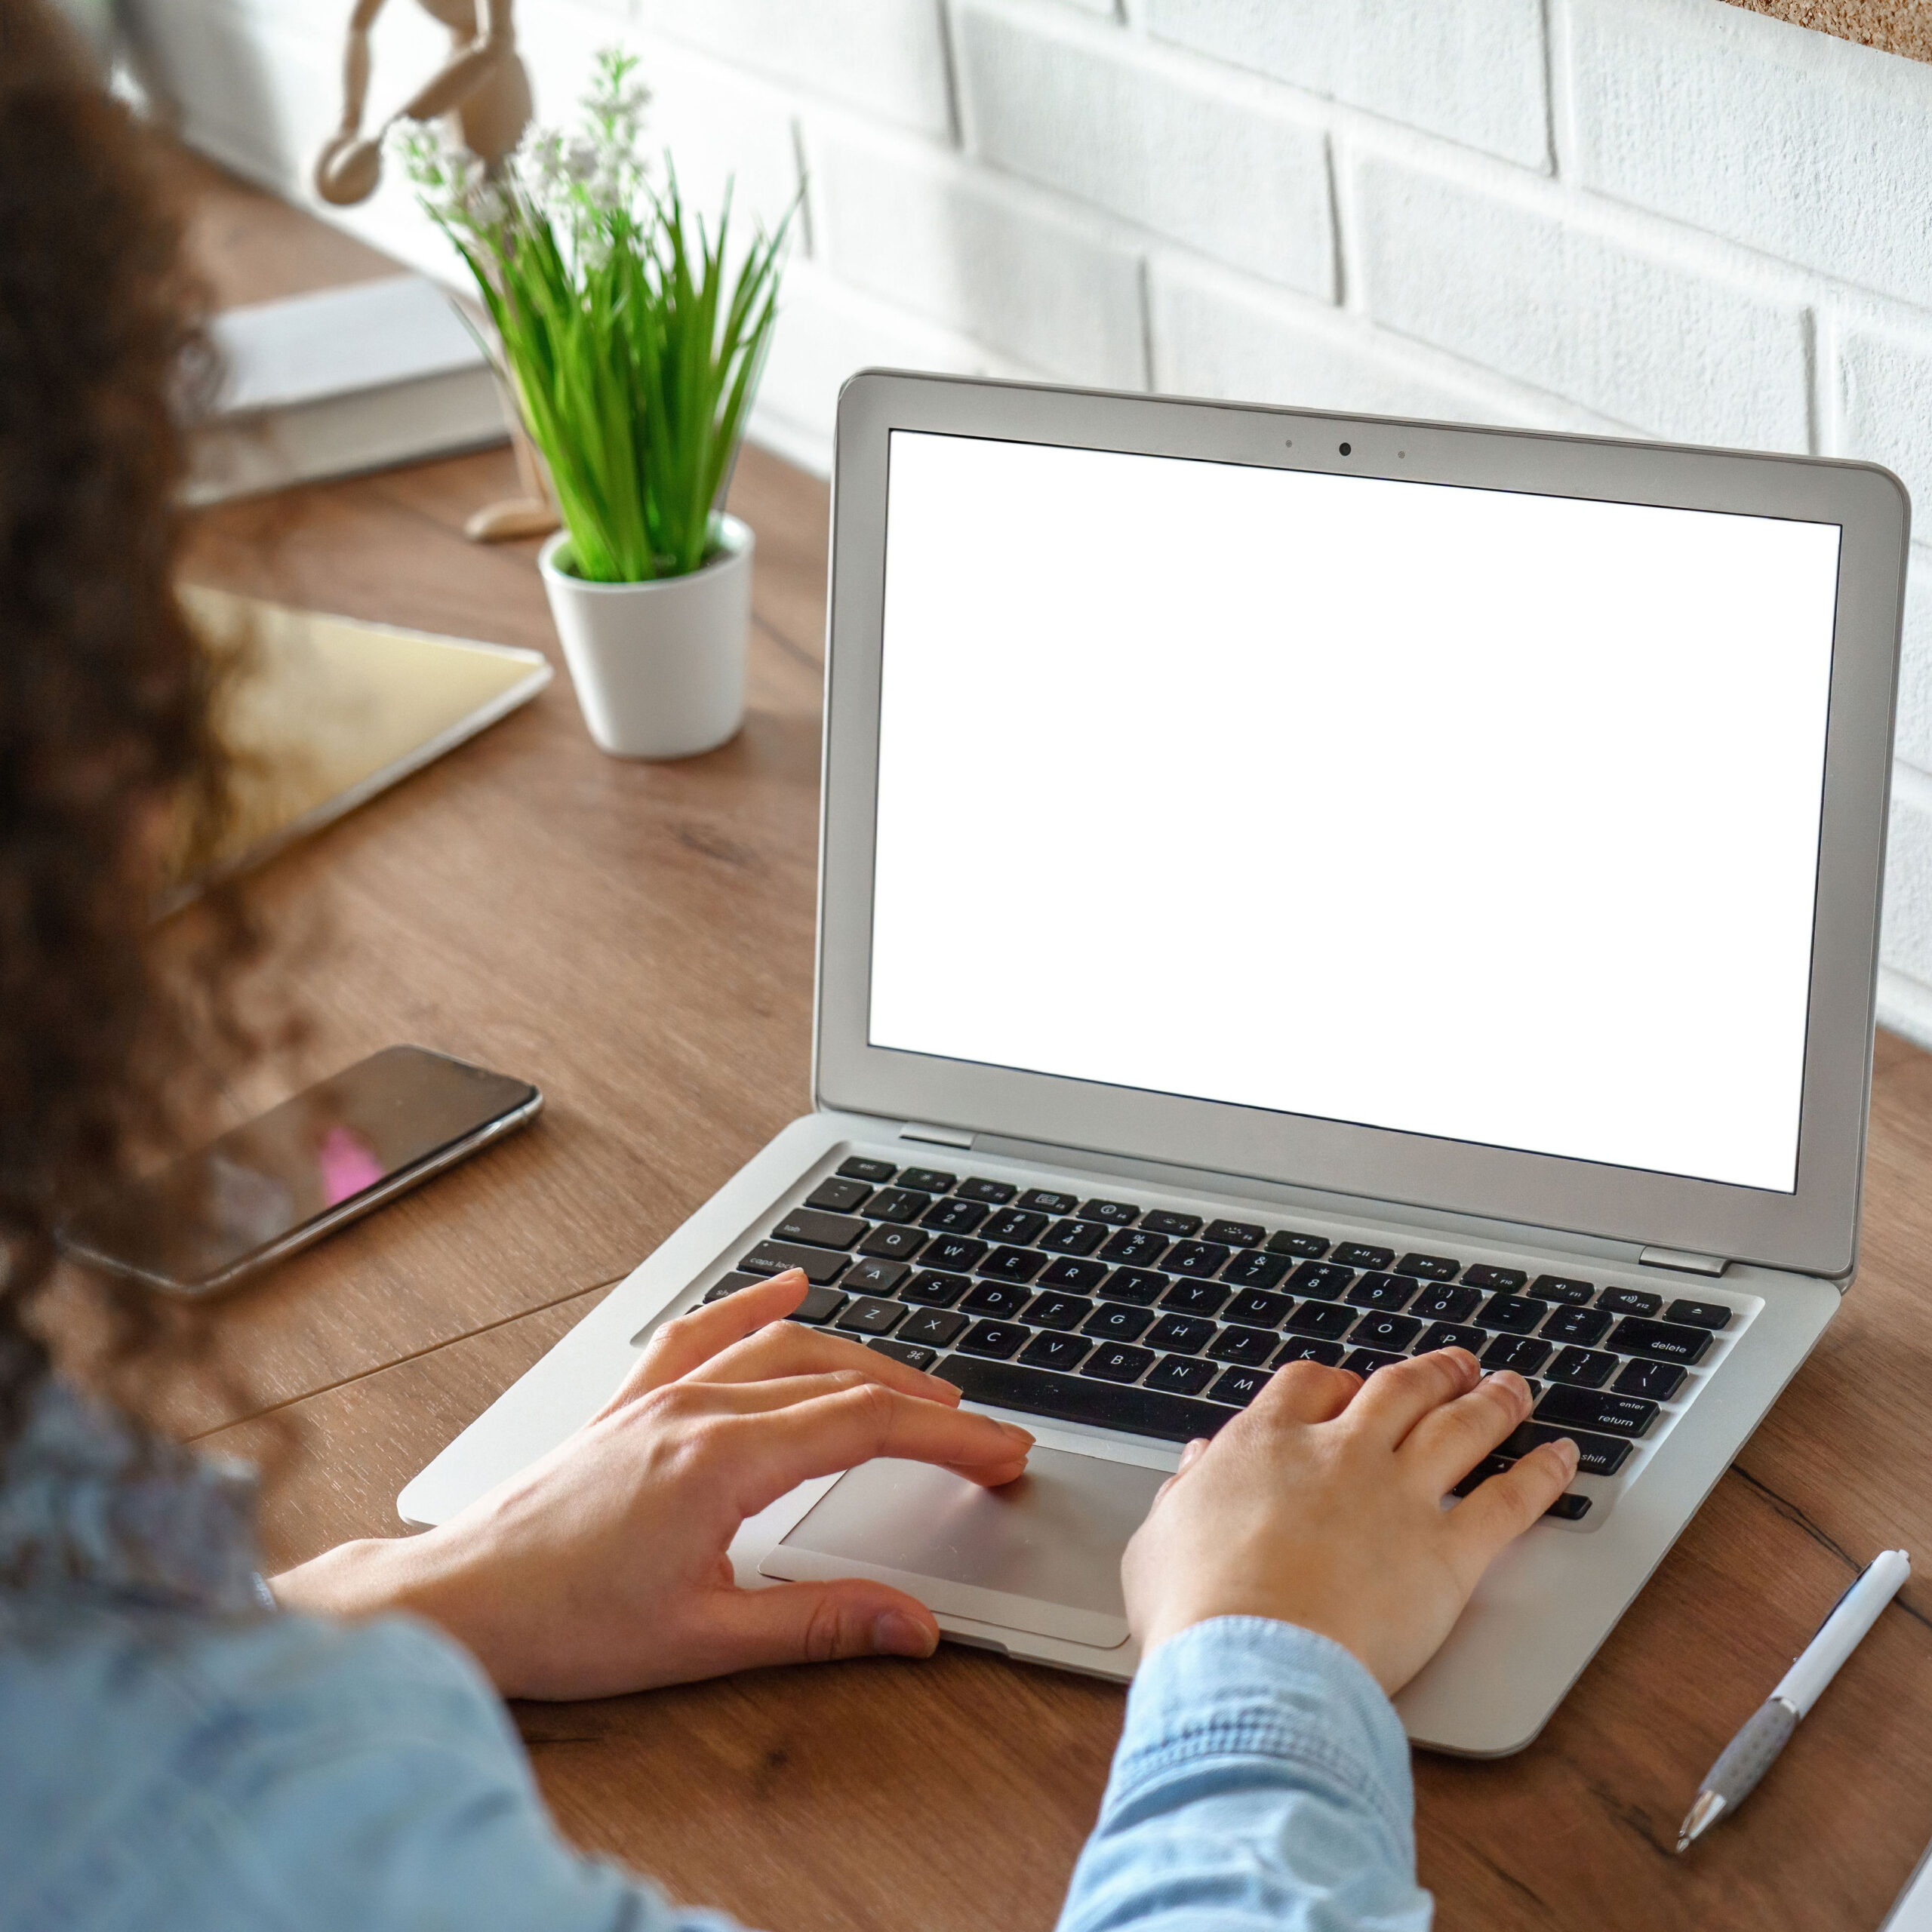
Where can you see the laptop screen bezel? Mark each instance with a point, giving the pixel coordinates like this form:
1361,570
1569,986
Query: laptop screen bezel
1813,1229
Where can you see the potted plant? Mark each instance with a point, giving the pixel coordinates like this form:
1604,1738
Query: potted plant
633,345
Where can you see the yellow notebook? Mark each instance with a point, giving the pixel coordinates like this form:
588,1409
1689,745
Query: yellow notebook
326,712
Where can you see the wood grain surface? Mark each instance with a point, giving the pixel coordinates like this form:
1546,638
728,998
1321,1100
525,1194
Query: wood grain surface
637,939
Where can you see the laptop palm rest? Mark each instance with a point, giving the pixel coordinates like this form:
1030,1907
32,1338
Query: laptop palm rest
1042,1554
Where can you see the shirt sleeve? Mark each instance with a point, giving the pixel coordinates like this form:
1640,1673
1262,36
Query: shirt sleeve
1261,1779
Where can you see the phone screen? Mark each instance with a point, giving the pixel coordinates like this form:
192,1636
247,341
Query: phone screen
300,1164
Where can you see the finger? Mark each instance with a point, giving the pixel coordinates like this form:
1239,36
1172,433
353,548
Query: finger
1447,1444
689,1341
784,1347
774,1453
816,1622
1394,1399
1305,1391
1189,1455
771,1392
1495,1512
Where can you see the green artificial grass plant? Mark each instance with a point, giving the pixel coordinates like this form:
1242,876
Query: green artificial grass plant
633,345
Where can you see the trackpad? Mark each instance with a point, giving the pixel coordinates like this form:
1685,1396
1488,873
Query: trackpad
1042,1554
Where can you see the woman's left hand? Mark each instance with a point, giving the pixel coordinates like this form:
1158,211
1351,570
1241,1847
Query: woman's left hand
603,1568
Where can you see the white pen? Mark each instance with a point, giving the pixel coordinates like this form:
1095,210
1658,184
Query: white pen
1750,1754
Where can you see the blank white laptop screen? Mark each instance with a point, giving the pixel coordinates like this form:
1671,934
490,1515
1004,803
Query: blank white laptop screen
1462,812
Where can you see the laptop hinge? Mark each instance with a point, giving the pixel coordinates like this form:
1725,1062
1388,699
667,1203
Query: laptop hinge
938,1137
1685,1264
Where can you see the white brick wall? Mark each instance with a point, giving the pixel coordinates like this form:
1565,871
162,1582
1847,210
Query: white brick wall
1669,218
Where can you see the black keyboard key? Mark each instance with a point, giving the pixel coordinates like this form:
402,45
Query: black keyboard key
1249,1347
818,1308
1309,1248
929,1181
911,1353
839,1197
1254,1268
1182,1334
873,1277
1060,1311
1064,1352
1074,1399
1000,1298
897,1204
1585,1368
1515,1315
1583,1326
1394,1332
895,1244
994,1193
1365,1361
1597,1455
1111,1363
1296,1349
953,1216
1195,1297
867,1315
1481,1275
1655,1381
1256,1310
1115,1214
1013,1264
1561,1288
1587,1408
731,1285
1138,1247
1178,1226
1328,1319
1380,1290
1137,1285
1322,1279
935,1291
1235,1234
1429,1267
1073,1237
1239,1386
1113,1321
1453,1335
1712,1314
1361,1254
1196,1257
1449,1304
1630,1301
998,1339
953,1251
1180,1376
1524,1353
818,1230
1014,1224
1570,1507
859,1168
773,1257
936,1327
1047,1202
1662,1341
1067,1272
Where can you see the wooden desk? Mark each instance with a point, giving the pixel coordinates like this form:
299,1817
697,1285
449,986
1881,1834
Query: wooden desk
637,940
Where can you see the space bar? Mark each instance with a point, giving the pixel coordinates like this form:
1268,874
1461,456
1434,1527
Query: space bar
1075,1398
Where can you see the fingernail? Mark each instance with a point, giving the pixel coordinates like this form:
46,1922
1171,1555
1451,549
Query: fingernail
1023,1438
896,1634
1512,1384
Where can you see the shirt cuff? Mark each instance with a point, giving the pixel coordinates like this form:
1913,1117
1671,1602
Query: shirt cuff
1244,1688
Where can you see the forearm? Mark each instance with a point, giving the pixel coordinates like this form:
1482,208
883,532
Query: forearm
1261,1779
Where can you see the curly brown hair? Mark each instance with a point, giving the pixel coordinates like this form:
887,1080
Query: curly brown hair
106,747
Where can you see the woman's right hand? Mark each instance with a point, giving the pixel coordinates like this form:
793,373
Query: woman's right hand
1320,1504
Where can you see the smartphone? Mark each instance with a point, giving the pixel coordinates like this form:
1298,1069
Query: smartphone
300,1171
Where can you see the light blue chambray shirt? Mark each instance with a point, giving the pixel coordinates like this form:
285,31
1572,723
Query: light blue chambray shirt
172,1755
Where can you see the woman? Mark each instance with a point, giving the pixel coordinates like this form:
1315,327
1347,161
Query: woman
181,1745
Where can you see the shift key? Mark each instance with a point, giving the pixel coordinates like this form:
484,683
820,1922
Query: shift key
773,1257
1596,1455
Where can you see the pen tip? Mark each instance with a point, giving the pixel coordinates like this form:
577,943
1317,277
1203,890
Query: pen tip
1708,1806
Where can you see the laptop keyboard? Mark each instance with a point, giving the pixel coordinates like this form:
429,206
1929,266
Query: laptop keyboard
1163,1323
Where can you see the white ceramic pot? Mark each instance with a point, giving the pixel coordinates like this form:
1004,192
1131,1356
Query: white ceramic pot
659,667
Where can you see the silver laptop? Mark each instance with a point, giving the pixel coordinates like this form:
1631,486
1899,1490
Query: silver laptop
1301,886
